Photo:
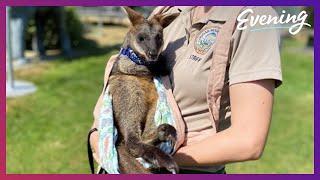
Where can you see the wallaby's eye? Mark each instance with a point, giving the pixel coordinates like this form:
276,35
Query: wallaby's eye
140,38
159,37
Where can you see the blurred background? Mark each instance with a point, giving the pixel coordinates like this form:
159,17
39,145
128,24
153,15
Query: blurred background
55,65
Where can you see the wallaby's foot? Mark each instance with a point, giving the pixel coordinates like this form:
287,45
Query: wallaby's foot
167,133
128,164
159,159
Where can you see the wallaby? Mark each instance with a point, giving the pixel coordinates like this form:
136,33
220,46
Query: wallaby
134,96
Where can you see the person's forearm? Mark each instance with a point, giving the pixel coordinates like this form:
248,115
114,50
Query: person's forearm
224,147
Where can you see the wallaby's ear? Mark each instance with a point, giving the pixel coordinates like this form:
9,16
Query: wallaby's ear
134,16
165,20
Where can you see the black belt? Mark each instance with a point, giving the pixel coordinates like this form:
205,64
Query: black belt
90,155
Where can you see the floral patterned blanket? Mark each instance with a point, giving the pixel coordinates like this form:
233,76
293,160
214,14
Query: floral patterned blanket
108,132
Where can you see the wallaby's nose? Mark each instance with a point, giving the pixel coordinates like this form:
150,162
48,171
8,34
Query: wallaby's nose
152,54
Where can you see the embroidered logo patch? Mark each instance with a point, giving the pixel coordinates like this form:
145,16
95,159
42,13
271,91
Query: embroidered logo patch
205,40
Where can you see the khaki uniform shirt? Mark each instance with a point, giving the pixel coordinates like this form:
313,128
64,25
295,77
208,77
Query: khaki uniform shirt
188,48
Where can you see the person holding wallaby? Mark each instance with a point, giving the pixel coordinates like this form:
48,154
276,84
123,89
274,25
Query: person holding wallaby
215,71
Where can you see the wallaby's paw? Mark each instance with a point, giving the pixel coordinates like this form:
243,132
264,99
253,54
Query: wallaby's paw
159,159
149,155
172,166
167,133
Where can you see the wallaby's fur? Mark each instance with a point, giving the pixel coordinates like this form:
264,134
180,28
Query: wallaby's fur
135,97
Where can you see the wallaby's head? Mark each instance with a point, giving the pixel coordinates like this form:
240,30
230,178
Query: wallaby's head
145,36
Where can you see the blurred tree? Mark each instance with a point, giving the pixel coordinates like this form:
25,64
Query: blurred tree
74,26
53,28
310,20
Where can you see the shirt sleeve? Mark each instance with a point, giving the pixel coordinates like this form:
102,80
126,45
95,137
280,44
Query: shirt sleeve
256,53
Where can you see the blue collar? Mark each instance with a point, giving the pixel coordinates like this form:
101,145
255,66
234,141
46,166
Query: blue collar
133,56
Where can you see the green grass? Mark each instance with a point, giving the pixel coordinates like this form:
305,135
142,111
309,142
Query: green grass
46,131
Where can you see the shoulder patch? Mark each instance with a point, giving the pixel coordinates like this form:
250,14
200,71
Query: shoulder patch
205,40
